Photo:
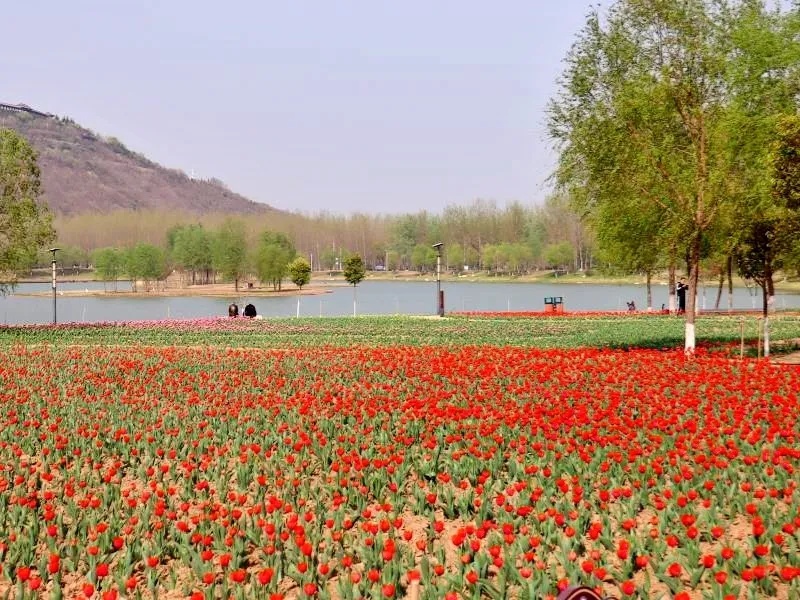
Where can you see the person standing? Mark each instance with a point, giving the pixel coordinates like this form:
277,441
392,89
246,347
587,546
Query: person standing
681,291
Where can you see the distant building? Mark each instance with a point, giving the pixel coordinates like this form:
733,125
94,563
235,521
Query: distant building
25,109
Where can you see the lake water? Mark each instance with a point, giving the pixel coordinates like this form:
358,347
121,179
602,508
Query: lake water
372,297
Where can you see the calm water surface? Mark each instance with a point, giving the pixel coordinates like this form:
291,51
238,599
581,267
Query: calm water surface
372,297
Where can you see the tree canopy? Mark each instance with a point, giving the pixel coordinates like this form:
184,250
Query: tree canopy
109,263
145,262
300,272
25,224
229,251
354,270
274,254
662,118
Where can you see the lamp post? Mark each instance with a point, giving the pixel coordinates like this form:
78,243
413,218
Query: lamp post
54,250
439,294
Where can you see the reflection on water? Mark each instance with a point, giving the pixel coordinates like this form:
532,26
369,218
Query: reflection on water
372,297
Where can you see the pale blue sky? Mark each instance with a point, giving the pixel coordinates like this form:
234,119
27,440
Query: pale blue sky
373,106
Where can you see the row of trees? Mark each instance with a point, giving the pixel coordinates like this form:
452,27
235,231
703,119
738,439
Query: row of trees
228,252
482,235
677,128
204,255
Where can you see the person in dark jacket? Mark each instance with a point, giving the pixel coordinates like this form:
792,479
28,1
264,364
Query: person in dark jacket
681,291
250,311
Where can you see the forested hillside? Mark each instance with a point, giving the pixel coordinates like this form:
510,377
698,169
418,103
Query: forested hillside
83,172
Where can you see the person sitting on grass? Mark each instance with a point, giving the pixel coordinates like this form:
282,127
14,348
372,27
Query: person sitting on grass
250,311
233,310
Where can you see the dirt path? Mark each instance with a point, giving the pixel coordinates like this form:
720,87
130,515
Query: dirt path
788,359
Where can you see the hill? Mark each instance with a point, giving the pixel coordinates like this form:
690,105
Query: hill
83,172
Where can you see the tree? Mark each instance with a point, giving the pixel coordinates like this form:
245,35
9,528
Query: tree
785,163
392,260
631,240
764,73
559,256
455,257
68,256
145,262
109,264
354,273
328,259
300,274
772,232
192,250
519,257
644,117
25,224
423,257
274,254
229,252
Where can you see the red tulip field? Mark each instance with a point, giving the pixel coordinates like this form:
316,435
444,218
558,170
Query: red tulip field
136,466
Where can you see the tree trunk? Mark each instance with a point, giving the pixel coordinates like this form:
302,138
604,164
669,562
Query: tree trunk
671,286
769,299
236,284
770,285
691,301
719,289
649,292
354,300
730,282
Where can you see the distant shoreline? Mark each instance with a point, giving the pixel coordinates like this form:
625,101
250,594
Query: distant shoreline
323,282
217,290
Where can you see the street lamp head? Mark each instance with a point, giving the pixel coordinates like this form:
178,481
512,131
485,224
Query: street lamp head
438,245
54,250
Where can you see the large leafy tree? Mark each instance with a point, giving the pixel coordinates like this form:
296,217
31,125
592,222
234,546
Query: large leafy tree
192,250
764,75
771,234
631,240
25,224
229,251
643,120
109,264
275,252
785,169
423,257
145,262
785,163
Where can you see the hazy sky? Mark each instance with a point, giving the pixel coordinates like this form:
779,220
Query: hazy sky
374,106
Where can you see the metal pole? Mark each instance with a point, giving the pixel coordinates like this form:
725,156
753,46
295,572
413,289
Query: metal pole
439,283
439,297
54,250
54,289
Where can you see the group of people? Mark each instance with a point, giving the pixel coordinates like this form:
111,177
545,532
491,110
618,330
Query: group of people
680,290
249,310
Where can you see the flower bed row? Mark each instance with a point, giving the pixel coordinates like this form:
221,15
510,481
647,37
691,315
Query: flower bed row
429,472
553,331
